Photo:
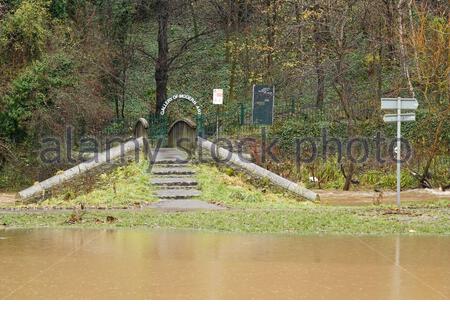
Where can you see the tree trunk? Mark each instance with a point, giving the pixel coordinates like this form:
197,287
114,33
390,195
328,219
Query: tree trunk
247,62
228,32
390,12
298,7
320,82
379,71
319,43
116,101
232,82
270,24
435,146
124,92
349,176
194,17
162,62
403,54
413,34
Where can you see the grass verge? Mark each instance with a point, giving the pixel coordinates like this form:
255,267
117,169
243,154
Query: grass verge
124,186
232,189
317,219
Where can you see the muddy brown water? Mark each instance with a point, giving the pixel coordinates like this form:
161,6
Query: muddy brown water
107,264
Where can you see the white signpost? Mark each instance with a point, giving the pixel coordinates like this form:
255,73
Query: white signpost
405,117
399,104
218,96
392,104
218,101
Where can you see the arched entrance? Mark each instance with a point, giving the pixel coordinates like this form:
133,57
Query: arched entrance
178,97
159,123
182,132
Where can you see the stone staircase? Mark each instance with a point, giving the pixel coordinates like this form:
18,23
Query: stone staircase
172,179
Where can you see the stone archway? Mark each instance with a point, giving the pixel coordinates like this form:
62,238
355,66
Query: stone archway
141,129
182,132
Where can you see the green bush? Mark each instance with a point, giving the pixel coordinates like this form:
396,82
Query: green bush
31,92
58,9
23,34
388,180
12,178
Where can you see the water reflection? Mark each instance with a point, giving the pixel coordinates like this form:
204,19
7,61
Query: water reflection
107,264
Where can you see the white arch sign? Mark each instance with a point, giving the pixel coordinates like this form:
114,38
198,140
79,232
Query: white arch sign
177,97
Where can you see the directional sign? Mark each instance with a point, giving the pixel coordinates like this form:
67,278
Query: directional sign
405,117
399,104
405,104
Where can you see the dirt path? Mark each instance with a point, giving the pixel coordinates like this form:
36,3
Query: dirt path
357,198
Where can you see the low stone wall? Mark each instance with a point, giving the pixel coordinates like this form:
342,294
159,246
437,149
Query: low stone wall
233,159
100,163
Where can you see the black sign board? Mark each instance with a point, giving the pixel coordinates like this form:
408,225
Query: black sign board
263,104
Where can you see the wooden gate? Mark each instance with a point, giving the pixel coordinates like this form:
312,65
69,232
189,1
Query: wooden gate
183,133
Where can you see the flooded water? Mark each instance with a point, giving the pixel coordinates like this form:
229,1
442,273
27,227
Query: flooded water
106,264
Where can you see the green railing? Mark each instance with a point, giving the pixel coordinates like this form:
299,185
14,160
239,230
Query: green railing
230,117
158,128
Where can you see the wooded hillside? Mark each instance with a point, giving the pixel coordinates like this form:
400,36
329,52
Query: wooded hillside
99,65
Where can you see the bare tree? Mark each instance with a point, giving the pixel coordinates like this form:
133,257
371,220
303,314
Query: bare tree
162,61
169,50
403,53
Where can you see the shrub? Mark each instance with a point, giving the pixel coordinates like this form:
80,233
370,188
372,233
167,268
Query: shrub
23,34
32,96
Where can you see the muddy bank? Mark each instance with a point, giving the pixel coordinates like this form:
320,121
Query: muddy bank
7,199
327,197
361,198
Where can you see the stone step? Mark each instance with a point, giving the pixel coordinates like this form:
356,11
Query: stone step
173,181
170,155
173,161
171,165
185,205
164,171
162,187
177,193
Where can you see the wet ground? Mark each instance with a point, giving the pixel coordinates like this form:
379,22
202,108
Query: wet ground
107,264
335,198
7,199
361,198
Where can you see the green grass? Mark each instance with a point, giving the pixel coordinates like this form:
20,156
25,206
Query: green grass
232,189
388,180
254,211
125,186
312,220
